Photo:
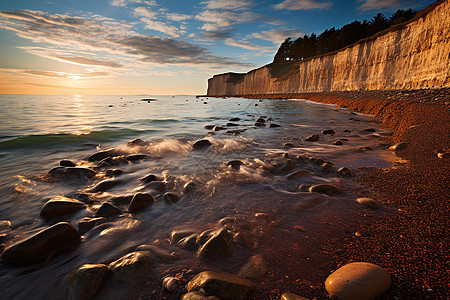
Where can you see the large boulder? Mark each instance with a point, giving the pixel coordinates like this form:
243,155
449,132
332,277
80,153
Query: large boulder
60,206
131,267
225,286
42,245
217,247
358,280
86,280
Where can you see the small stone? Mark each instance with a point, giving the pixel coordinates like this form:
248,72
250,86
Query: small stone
261,120
288,166
369,130
236,164
137,142
303,188
358,280
60,206
122,200
368,202
72,173
328,131
209,127
225,286
107,210
160,254
113,172
273,125
254,269
288,145
298,174
189,186
203,237
229,124
171,198
217,247
198,296
443,154
150,178
171,283
244,239
234,119
131,267
86,280
398,146
105,185
346,172
201,144
337,143
139,202
87,224
5,225
177,235
324,189
158,186
312,138
218,128
137,157
260,124
102,155
292,296
189,242
327,167
66,163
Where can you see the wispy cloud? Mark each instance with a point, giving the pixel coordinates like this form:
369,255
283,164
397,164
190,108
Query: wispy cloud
228,4
377,5
90,62
218,35
303,4
276,36
216,19
247,45
123,3
178,17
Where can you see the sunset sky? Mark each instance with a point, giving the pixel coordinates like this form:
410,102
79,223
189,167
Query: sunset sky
152,47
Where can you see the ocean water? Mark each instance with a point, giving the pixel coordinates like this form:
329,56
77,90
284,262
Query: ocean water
37,132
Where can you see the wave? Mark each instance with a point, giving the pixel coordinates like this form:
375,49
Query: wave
68,139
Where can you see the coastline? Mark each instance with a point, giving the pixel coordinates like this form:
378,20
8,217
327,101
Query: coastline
412,244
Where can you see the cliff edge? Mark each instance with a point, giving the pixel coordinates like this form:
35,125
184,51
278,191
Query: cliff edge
414,56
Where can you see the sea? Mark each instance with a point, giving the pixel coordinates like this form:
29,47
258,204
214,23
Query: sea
37,132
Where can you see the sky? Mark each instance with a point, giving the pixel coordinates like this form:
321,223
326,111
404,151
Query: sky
155,47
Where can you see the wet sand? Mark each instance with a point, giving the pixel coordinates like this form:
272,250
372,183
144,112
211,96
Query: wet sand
412,243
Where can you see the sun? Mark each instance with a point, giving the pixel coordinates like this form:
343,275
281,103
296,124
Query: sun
75,77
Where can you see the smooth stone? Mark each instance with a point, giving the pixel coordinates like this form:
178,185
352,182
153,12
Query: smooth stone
72,172
105,185
229,124
137,142
218,128
171,198
298,174
346,172
66,163
107,210
98,156
317,161
312,138
139,202
137,157
369,130
324,189
171,284
244,239
254,269
85,198
122,200
261,120
234,119
198,296
337,143
225,286
358,280
150,178
189,242
201,144
86,280
113,172
209,127
260,124
274,125
158,186
217,247
292,296
328,131
369,202
87,224
189,186
235,164
398,146
5,225
288,145
327,167
131,267
60,206
177,235
310,202
160,254
42,245
288,165
203,237
303,187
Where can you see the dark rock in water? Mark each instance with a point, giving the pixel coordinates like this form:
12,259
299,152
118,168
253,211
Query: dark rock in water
346,130
131,267
398,146
86,280
113,172
87,224
256,104
189,242
289,145
218,128
225,286
201,144
235,164
254,269
5,225
297,174
244,239
171,198
292,296
158,186
148,100
189,186
60,206
205,102
317,161
137,142
66,163
102,155
203,237
105,185
234,119
140,201
122,200
273,125
312,138
198,296
159,253
217,247
71,173
327,167
236,131
209,127
337,143
171,284
150,178
369,130
42,245
229,124
260,124
177,235
324,189
369,202
137,157
328,131
261,120
85,198
344,171
288,165
107,210
303,188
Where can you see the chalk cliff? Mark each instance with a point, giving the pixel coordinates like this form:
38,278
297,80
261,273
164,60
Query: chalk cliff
415,56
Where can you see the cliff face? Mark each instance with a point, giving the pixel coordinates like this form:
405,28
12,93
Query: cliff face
416,56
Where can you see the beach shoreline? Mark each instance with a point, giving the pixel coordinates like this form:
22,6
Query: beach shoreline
413,243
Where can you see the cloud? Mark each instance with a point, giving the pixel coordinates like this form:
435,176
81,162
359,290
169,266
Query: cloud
276,36
90,62
216,19
227,4
377,5
162,27
144,12
303,5
218,35
178,17
123,3
247,45
63,74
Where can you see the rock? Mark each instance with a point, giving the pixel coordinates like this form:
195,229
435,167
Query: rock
327,167
171,198
297,174
260,124
140,201
158,186
171,284
150,178
201,144
86,280
317,161
66,163
189,242
291,296
137,142
254,269
203,237
72,172
358,280
328,131
398,146
244,239
60,206
217,247
5,225
234,119
131,267
288,145
266,218
443,154
107,210
122,200
273,125
369,130
225,286
369,202
137,157
42,245
87,224
337,143
310,202
105,185
229,124
303,188
209,127
324,189
102,155
260,120
236,164
346,172
312,138
189,186
113,172
218,128
288,165
198,296
177,235
159,253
